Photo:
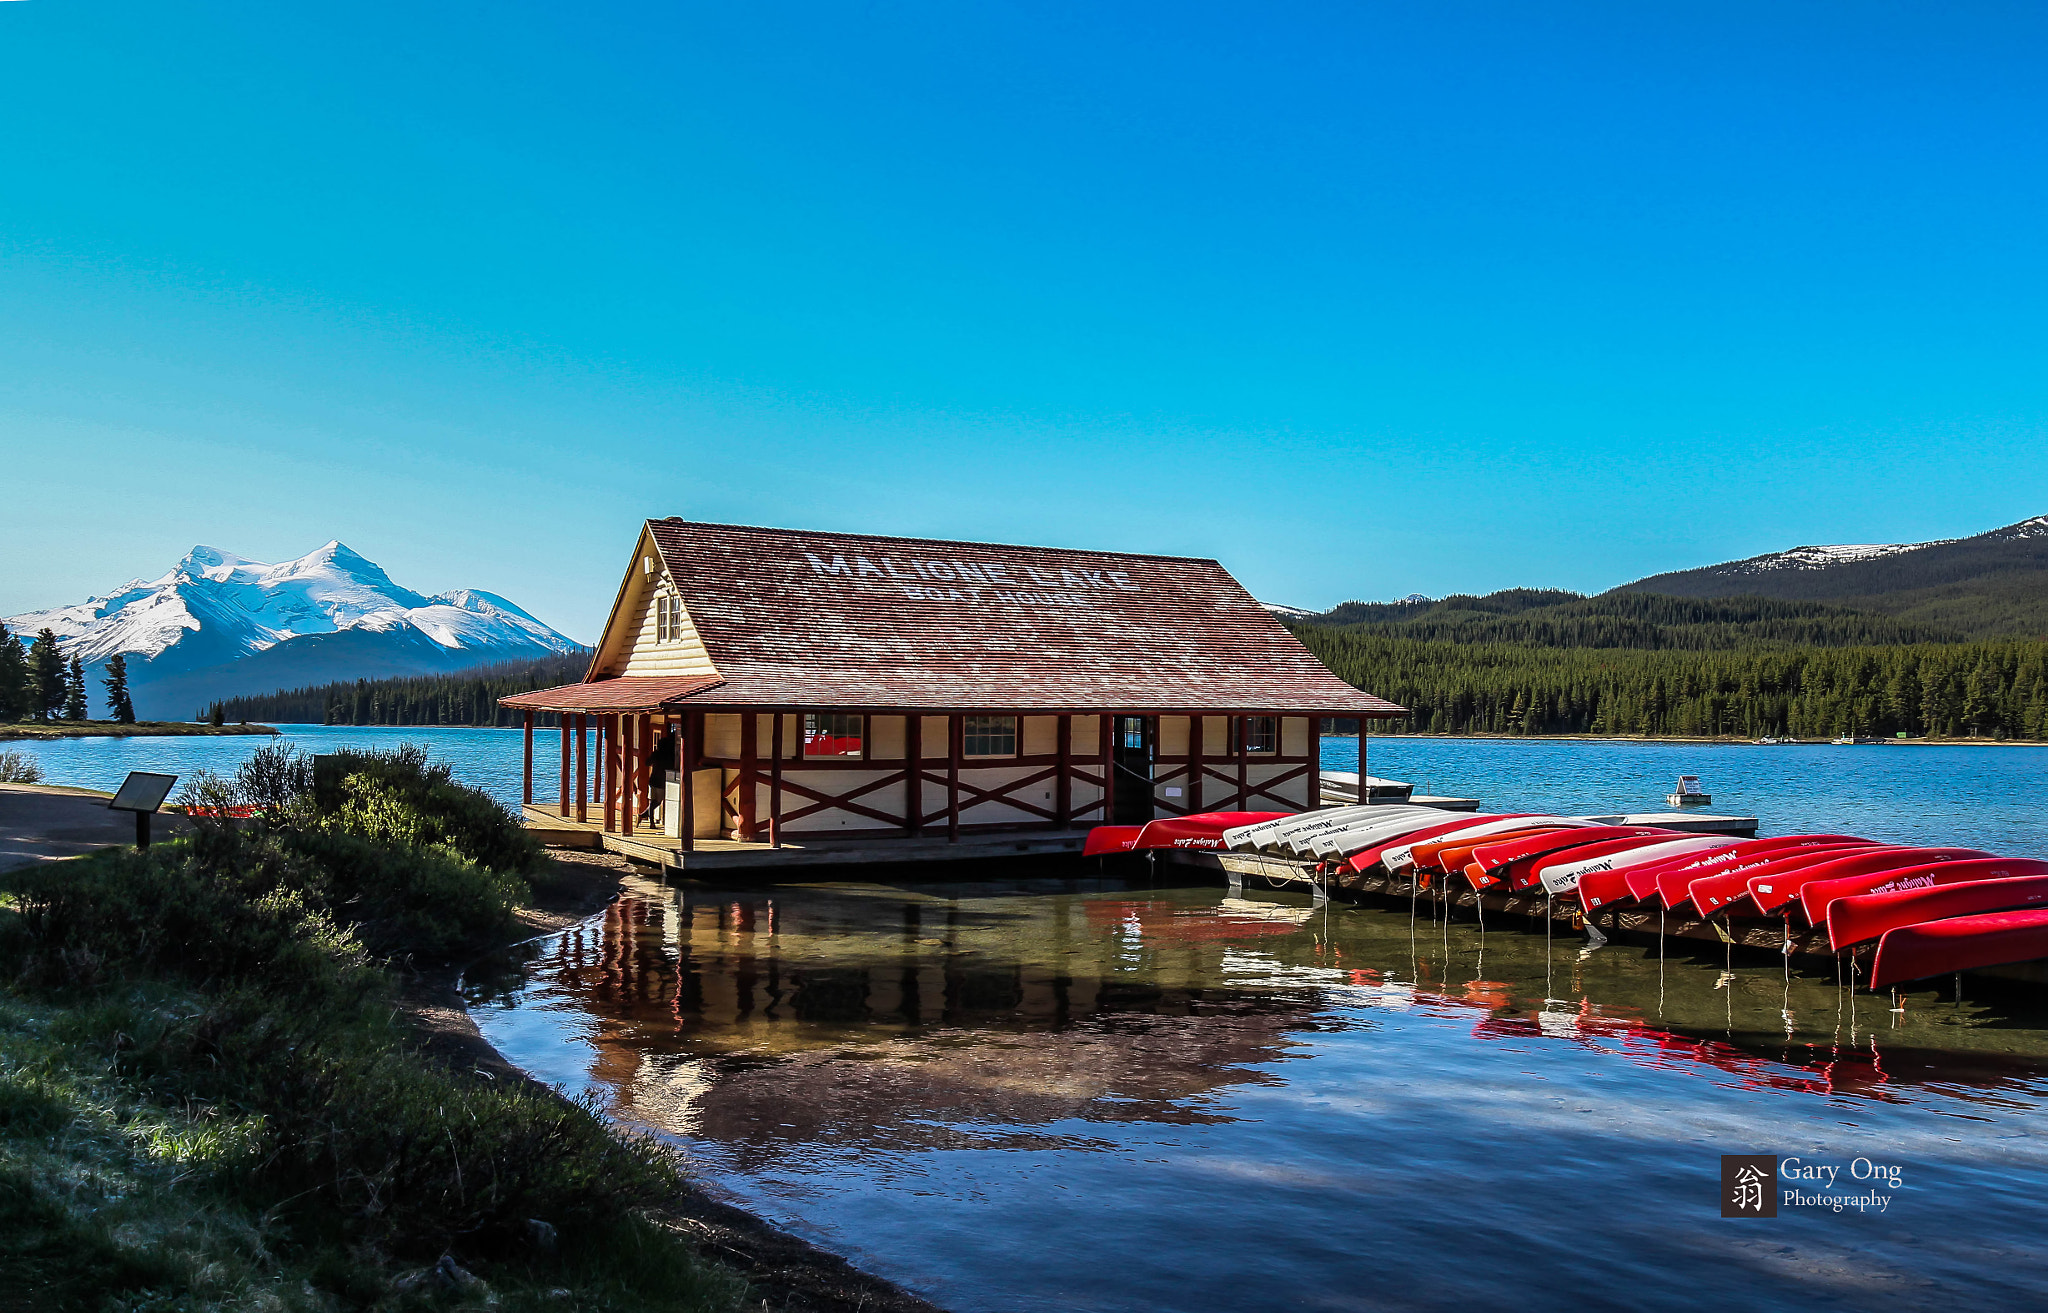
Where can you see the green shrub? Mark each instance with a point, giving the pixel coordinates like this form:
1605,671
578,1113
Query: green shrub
400,898
220,914
398,796
19,768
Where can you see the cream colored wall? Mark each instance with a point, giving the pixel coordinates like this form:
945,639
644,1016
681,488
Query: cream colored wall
1293,736
887,800
1041,736
933,742
1087,734
1215,736
886,737
722,737
1173,736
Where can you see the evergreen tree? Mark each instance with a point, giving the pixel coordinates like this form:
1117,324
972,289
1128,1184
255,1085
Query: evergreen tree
119,703
218,716
74,692
14,687
47,676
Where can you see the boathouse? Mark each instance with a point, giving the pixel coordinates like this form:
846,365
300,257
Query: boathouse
825,685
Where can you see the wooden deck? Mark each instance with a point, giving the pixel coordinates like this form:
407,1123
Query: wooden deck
727,856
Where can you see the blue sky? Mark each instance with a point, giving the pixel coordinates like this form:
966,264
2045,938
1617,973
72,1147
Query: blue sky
1360,299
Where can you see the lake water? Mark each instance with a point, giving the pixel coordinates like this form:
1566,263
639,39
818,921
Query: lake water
1078,1093
1055,1095
1989,797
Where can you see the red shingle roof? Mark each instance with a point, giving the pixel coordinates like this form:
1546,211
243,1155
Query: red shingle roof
636,693
797,618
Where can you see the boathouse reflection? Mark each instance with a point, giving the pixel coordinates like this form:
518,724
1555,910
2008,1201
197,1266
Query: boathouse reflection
873,1016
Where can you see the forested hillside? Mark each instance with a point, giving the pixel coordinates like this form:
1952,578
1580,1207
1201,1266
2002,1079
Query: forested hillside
1994,690
467,697
1551,618
1992,585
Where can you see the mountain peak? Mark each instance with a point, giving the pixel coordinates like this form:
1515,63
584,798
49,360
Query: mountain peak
217,609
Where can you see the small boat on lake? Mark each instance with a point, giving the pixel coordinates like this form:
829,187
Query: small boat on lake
1688,793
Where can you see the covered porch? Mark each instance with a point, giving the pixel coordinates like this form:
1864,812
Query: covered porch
655,766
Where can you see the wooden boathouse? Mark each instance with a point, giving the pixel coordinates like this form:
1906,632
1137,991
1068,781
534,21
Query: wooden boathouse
814,688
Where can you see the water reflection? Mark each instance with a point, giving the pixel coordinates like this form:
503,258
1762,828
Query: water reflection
915,1075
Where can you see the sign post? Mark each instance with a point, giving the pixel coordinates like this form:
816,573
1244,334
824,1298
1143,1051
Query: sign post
142,793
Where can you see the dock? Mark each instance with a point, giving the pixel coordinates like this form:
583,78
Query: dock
727,856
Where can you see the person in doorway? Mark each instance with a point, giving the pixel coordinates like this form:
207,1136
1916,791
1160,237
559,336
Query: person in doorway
663,759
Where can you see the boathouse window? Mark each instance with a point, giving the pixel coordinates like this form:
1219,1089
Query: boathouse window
1260,733
989,736
668,619
832,736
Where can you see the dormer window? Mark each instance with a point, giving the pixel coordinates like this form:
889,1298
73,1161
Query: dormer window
668,619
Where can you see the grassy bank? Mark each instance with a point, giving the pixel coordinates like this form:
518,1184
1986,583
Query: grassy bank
86,729
208,1099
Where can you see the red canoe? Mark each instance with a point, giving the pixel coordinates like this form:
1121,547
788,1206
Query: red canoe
1452,853
1360,861
1527,872
1935,948
1203,830
1858,917
1110,839
1772,892
1815,897
1642,882
1492,862
1675,887
1530,872
1599,888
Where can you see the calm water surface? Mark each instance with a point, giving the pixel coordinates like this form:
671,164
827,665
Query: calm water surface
1083,1094
1087,1095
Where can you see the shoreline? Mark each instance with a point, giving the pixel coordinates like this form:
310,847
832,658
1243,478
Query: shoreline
46,731
1725,742
785,1270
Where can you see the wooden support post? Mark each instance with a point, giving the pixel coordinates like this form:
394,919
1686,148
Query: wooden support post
562,718
1194,764
643,774
1108,736
1063,783
775,786
749,769
913,779
693,728
1244,787
526,718
956,732
628,724
607,773
1315,765
583,768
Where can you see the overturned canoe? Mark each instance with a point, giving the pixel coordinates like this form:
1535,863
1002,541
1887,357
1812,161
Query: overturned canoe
1936,948
1857,917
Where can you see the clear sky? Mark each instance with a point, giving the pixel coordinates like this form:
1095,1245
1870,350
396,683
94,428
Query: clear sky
1360,299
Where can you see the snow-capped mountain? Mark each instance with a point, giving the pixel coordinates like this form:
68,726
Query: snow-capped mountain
218,624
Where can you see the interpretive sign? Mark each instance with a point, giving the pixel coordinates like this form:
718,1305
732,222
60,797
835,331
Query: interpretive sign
143,793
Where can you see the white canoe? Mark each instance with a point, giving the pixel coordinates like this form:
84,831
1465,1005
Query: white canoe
1400,858
1334,844
1302,841
1270,836
1564,877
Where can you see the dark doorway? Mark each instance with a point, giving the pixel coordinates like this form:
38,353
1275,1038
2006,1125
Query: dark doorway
1131,743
